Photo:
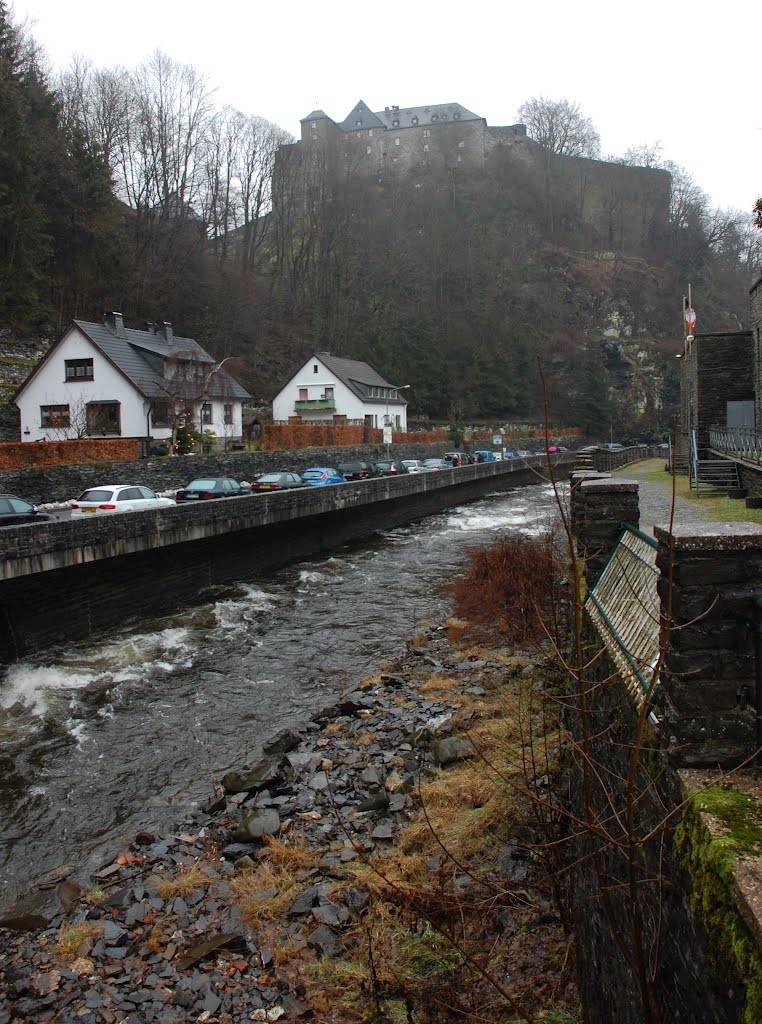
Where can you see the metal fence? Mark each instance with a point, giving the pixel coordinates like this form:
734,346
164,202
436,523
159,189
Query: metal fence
623,606
741,442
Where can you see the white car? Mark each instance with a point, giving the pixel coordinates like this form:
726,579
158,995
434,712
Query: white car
111,498
413,465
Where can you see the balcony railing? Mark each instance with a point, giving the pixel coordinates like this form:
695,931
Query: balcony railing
741,442
315,404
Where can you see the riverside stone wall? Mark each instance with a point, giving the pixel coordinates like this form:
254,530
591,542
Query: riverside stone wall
709,683
639,944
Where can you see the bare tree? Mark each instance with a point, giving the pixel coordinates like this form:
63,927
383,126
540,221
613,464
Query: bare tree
560,127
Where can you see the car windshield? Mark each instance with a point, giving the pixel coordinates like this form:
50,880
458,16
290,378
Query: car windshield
201,485
96,496
313,474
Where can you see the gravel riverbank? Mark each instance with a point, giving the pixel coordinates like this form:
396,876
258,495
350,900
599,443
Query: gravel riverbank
260,907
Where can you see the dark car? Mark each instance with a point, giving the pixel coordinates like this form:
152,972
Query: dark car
392,468
357,470
15,512
204,489
277,481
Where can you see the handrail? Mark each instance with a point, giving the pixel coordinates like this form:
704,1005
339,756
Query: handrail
742,442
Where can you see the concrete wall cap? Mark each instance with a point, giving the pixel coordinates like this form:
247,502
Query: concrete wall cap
712,536
610,484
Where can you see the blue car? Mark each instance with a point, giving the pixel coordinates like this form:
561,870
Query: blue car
482,455
319,475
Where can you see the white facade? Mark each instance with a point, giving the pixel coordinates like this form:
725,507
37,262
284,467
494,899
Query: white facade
315,383
77,392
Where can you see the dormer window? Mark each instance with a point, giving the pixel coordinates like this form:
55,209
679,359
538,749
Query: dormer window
415,120
359,124
396,123
435,117
456,116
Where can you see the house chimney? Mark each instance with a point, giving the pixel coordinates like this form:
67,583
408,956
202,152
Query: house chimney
115,323
150,327
165,329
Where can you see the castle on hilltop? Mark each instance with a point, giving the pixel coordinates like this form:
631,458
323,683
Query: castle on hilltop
613,207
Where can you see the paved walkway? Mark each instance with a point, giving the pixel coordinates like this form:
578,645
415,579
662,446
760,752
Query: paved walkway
656,500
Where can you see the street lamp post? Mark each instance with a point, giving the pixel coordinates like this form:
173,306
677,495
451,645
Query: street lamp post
387,423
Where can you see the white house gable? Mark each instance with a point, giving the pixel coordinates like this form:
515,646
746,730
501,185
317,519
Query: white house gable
77,392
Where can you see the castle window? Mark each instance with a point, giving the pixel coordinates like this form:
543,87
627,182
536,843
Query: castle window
359,124
396,123
461,144
427,133
397,141
426,147
368,150
435,117
444,117
456,116
460,159
415,120
370,133
313,124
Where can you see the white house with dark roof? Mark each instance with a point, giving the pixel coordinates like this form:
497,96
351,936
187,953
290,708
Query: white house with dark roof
334,389
107,380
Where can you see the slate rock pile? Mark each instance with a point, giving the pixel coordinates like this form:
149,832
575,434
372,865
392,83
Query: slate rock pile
344,782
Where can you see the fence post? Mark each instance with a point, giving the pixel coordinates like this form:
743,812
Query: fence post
600,504
709,680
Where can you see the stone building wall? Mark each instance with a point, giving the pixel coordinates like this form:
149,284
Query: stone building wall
717,369
755,310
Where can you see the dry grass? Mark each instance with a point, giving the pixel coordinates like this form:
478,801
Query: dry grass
438,684
291,854
183,883
75,940
265,893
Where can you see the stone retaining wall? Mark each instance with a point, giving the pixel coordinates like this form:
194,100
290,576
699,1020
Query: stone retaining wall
62,483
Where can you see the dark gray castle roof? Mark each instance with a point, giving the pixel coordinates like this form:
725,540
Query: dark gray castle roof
409,117
359,377
316,115
361,116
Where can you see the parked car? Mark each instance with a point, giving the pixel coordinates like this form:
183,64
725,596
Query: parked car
455,458
16,512
522,453
319,475
211,487
357,470
413,466
111,498
277,481
436,464
482,455
612,447
394,468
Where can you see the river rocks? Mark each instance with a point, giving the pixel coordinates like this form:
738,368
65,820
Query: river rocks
345,783
267,772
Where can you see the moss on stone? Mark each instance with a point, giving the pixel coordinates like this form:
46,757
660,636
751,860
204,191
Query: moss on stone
710,860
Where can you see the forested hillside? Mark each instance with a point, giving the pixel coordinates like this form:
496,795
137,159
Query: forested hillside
130,190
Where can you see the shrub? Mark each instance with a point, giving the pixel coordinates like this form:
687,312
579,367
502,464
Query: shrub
508,588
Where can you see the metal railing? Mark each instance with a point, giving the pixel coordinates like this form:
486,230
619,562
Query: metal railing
623,606
741,442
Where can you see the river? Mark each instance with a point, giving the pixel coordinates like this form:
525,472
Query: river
105,738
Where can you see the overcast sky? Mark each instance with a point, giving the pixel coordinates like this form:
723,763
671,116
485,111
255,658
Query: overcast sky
658,70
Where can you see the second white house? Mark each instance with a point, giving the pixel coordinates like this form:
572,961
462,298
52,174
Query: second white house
341,390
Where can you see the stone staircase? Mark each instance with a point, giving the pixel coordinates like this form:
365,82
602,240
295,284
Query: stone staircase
717,476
